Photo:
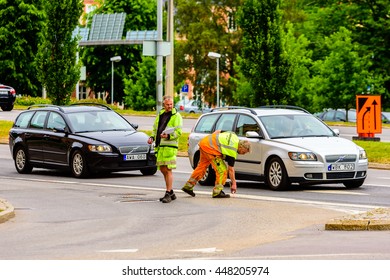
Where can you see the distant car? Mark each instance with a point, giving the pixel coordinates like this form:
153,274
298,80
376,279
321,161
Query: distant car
7,97
81,138
288,146
192,106
386,117
338,115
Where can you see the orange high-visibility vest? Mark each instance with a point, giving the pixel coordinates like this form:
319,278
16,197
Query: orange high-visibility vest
220,143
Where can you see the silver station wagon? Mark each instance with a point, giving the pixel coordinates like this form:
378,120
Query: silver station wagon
288,146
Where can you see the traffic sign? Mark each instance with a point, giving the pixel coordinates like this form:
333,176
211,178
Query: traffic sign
184,88
368,114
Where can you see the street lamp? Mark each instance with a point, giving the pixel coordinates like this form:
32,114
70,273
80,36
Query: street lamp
216,56
113,59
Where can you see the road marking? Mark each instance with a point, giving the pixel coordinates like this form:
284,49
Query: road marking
207,193
202,250
119,251
335,192
316,256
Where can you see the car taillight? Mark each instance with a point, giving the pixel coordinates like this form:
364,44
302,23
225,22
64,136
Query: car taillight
181,107
12,91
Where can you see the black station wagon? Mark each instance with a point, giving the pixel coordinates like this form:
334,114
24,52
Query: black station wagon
87,139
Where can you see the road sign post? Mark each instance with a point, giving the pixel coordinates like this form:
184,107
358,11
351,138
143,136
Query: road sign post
368,117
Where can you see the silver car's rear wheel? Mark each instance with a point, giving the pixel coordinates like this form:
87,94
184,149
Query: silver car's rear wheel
276,175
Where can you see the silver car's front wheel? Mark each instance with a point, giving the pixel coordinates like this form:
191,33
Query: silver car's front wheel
276,175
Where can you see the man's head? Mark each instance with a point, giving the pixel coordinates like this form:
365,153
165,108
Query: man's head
168,103
244,147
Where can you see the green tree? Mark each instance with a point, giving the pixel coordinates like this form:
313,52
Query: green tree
56,58
20,24
140,15
265,63
343,73
366,19
203,27
140,86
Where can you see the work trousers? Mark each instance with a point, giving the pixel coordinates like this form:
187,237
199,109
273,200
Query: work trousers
219,166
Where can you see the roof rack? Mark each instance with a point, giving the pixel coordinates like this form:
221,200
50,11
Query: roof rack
285,107
45,105
91,104
233,108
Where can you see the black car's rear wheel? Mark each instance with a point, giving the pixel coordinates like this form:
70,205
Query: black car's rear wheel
22,164
78,165
276,175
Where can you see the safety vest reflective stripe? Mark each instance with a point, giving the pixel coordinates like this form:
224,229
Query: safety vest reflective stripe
229,144
225,143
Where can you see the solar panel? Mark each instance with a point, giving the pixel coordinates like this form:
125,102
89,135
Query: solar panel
145,35
107,26
83,32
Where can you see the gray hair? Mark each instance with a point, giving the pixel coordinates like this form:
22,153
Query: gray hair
167,97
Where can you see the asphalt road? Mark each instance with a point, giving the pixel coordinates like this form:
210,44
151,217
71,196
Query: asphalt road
119,217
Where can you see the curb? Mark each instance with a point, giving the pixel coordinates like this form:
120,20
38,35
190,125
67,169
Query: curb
377,219
6,211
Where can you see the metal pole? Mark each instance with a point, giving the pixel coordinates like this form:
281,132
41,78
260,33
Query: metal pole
112,82
169,60
159,74
217,82
78,81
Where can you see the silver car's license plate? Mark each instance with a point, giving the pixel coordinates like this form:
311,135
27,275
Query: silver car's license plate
135,157
341,166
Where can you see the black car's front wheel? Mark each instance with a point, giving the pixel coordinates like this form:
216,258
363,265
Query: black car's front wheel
149,171
22,164
78,165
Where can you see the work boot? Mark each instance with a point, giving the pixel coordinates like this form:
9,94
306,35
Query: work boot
221,195
168,197
172,194
188,191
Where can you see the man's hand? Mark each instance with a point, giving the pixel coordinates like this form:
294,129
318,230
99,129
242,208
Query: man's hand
233,188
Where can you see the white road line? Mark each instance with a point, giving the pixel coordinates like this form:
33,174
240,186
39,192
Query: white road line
335,192
207,193
119,251
202,250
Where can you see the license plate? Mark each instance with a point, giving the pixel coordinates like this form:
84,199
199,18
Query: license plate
341,166
134,157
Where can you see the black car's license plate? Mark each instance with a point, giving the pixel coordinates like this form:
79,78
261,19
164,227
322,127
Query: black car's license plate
341,166
135,157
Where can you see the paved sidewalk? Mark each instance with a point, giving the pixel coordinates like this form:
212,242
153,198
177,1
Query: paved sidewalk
6,210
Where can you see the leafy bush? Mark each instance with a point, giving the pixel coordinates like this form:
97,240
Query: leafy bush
26,100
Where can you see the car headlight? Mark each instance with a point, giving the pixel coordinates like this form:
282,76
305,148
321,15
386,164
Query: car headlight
362,154
304,156
100,148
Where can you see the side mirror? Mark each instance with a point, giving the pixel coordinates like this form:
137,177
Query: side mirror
134,125
336,131
253,134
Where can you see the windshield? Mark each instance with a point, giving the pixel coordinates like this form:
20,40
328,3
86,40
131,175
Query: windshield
287,126
98,121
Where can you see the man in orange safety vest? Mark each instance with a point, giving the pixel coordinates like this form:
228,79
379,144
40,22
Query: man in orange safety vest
215,149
